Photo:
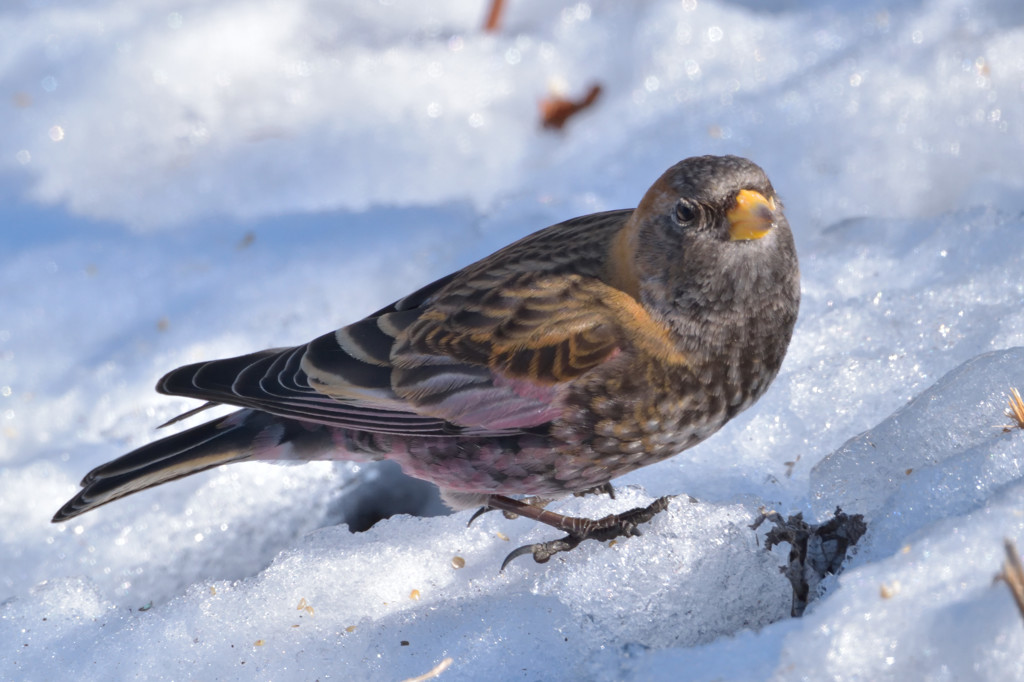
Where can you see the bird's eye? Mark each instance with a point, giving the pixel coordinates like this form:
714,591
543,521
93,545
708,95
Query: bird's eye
686,212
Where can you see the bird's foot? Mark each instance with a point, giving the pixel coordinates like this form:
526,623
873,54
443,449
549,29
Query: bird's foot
532,501
541,502
579,529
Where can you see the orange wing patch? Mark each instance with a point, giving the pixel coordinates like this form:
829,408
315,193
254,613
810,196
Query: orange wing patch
557,358
553,332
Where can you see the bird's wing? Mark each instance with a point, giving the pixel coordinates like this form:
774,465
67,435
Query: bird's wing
497,362
489,350
273,380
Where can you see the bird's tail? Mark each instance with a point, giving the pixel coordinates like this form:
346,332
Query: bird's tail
245,434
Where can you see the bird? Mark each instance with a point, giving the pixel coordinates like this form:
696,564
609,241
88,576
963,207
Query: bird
560,362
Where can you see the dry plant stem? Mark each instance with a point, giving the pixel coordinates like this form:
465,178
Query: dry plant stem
555,111
1013,574
494,15
816,550
433,672
1015,411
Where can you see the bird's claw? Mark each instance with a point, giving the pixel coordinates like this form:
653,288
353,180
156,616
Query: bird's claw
477,514
542,551
602,530
511,516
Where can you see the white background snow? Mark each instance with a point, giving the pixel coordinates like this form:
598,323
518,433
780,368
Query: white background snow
185,179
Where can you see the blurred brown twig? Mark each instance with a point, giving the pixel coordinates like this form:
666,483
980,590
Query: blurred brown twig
556,110
494,16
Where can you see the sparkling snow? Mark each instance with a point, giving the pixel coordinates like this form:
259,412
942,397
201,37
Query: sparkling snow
193,179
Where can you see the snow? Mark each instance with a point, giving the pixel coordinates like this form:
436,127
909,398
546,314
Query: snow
189,180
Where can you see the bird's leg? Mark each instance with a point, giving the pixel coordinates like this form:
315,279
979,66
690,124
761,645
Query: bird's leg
541,502
603,489
578,529
532,500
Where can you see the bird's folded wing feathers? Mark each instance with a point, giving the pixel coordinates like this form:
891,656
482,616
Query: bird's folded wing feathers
271,381
498,361
489,350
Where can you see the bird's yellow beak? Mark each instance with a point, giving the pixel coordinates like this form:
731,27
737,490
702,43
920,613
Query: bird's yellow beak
751,217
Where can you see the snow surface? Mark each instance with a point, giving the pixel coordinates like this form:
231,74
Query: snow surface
192,179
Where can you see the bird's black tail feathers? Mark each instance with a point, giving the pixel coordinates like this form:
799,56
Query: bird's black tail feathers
220,441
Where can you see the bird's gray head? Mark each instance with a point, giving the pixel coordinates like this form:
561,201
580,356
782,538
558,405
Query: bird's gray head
711,250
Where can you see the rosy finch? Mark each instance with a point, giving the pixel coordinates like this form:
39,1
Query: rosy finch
573,356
